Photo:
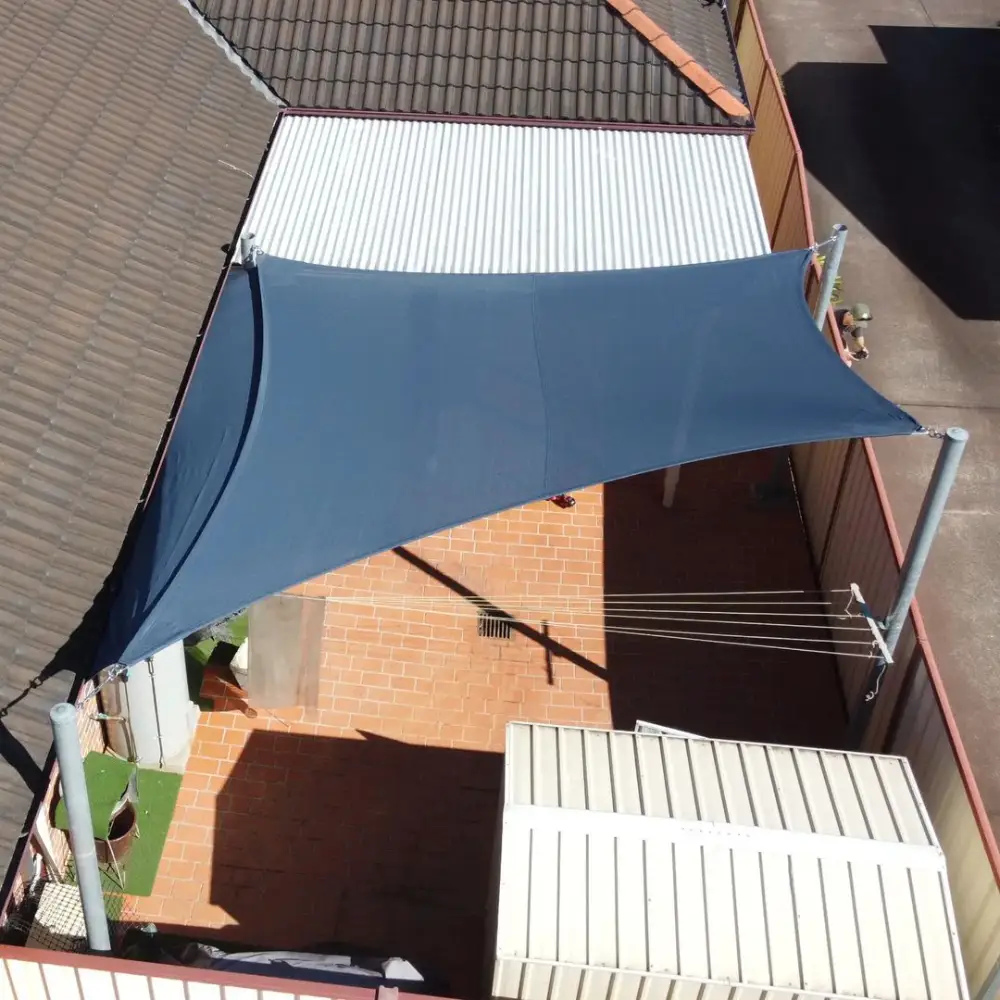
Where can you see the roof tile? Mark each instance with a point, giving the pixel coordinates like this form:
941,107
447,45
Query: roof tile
117,116
573,60
685,63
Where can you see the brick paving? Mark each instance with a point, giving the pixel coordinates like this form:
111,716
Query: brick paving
369,821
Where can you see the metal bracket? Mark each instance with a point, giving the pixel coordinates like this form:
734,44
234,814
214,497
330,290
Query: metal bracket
248,251
873,623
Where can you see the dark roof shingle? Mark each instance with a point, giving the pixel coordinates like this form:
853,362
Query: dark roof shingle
129,144
570,60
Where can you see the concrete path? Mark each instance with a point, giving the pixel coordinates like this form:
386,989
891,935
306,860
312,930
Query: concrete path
895,105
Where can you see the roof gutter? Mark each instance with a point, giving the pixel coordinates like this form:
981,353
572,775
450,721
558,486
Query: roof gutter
519,122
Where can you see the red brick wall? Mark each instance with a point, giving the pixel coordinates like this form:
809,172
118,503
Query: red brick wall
425,674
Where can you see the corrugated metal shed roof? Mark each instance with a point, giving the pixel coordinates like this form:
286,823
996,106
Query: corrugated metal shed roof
446,197
776,868
571,60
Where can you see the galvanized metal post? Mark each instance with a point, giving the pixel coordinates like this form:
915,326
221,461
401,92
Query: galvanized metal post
81,827
925,530
924,533
831,268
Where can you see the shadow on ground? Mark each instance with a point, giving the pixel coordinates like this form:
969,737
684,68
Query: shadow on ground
373,845
912,148
714,539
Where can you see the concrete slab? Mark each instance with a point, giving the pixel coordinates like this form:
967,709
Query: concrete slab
893,111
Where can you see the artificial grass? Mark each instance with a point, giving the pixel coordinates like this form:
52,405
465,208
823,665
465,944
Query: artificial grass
198,655
107,778
195,661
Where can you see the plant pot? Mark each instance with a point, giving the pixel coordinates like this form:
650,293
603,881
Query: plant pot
120,837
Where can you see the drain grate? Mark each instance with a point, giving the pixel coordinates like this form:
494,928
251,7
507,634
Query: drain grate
493,625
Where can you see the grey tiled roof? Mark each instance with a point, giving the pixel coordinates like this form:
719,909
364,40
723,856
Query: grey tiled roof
573,60
129,143
699,27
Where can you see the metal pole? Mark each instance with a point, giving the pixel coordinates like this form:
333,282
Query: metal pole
925,530
831,268
81,826
924,533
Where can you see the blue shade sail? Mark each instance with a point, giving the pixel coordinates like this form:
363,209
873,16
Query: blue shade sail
334,414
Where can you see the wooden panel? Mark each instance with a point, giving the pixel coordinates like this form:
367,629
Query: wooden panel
922,737
818,469
859,551
751,59
791,232
772,152
736,19
890,690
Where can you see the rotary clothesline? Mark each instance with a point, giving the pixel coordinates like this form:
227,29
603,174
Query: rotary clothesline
617,612
473,608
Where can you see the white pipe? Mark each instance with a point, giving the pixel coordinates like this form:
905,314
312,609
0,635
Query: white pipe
154,701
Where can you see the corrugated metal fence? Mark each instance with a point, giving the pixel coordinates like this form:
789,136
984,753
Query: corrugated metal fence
42,975
854,539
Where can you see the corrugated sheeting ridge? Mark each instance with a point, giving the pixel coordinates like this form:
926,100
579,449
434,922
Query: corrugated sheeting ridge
460,198
749,784
634,866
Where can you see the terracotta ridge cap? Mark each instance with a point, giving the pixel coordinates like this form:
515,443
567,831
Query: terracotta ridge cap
682,61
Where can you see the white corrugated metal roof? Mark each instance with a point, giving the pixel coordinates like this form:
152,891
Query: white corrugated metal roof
469,198
713,862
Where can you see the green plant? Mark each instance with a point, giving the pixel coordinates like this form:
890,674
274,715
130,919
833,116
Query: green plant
838,284
231,629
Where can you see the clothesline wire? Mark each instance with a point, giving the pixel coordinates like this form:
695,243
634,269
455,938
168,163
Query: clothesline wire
557,616
685,593
826,647
585,608
758,645
738,621
774,642
826,640
724,635
587,601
